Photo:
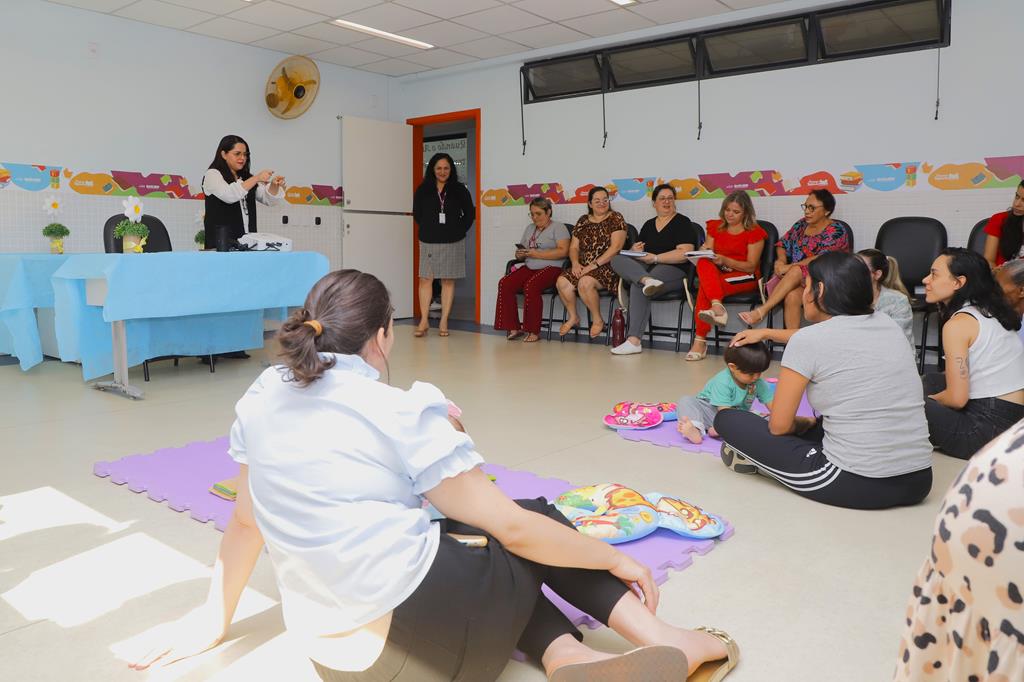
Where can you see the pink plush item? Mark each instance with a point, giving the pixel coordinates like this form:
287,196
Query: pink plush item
454,410
634,416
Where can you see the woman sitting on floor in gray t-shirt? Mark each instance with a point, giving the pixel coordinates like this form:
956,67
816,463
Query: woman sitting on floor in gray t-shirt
869,448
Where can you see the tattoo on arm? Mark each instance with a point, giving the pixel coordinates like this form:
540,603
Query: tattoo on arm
961,365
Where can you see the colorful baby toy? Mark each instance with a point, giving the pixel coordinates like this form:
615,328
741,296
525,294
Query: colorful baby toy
635,416
614,513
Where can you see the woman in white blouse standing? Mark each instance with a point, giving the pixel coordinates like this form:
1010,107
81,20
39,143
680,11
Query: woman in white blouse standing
335,469
232,192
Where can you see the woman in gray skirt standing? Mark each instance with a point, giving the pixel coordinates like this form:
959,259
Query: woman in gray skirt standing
443,209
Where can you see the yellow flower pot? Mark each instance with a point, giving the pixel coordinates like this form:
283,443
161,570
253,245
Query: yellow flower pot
57,246
131,244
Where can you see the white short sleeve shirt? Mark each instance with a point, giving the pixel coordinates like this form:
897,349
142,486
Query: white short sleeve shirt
337,471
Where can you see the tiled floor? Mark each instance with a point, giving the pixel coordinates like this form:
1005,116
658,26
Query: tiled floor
810,592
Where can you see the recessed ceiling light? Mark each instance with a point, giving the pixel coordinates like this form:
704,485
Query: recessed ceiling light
383,34
624,2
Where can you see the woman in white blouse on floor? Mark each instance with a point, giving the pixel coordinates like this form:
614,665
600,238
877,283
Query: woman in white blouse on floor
336,466
232,192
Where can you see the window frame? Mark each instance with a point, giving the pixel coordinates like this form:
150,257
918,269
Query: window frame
814,44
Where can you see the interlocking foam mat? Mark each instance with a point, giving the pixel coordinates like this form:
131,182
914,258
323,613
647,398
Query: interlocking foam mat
181,477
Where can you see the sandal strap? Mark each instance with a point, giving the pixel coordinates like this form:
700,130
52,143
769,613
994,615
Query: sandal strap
731,647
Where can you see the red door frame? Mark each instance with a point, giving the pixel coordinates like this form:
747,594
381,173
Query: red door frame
417,176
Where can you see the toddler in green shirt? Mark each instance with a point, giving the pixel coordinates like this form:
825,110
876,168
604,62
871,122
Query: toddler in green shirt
736,386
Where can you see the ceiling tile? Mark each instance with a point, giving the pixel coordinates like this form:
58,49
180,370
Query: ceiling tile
275,15
332,33
444,33
394,67
439,58
232,29
607,23
548,35
332,8
391,18
162,14
212,6
293,44
564,9
346,56
446,9
501,19
486,48
670,11
98,5
387,48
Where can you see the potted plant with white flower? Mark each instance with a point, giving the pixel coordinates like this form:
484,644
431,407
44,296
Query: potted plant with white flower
132,231
55,232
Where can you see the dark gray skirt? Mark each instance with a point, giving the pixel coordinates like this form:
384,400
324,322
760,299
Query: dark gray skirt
443,261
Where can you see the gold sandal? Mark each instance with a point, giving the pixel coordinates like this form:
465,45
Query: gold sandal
696,356
649,663
715,671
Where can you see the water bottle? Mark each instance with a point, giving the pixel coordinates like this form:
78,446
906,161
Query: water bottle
618,328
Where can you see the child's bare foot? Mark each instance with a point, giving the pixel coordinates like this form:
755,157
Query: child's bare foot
690,431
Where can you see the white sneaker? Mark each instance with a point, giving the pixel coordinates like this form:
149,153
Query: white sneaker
627,348
623,295
652,286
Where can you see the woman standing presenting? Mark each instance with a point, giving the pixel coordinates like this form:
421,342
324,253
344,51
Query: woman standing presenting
444,211
232,192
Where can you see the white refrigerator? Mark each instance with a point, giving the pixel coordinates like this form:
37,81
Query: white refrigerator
376,176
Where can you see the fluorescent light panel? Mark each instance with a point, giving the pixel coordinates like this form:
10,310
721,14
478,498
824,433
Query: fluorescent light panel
624,2
383,34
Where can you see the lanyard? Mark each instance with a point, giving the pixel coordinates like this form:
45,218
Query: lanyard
441,196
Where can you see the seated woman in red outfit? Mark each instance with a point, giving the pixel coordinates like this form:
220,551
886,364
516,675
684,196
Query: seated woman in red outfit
1005,240
814,234
738,242
546,245
598,236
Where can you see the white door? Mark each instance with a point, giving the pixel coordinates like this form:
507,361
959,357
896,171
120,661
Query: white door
376,175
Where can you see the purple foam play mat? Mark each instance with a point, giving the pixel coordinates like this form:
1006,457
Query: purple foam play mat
182,478
667,434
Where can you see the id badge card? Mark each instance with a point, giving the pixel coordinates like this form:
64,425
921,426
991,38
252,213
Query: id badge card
440,218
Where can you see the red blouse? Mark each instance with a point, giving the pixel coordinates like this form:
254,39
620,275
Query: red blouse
994,227
735,245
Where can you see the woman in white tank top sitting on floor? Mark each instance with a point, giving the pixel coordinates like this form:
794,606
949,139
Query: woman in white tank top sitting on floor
981,393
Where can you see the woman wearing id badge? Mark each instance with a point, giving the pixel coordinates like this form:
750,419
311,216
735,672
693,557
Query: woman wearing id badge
444,211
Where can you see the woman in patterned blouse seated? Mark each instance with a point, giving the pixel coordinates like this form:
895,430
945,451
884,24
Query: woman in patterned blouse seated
598,236
814,234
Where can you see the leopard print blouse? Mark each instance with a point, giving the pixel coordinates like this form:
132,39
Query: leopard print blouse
965,620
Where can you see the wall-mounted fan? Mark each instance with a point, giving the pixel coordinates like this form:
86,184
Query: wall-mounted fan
292,87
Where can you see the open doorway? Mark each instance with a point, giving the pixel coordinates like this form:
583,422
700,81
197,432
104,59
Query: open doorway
458,134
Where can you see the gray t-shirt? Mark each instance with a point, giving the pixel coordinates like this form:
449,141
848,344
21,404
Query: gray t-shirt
544,240
897,306
864,382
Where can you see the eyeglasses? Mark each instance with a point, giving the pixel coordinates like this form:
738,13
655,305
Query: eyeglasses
810,208
595,200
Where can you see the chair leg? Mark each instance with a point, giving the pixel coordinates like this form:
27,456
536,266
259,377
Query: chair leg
608,324
213,362
650,329
551,315
145,370
175,362
679,323
924,342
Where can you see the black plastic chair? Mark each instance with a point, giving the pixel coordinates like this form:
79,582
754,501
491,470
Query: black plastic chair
751,299
915,242
976,242
157,241
675,333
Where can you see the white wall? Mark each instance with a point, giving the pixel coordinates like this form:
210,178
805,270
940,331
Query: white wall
795,121
153,100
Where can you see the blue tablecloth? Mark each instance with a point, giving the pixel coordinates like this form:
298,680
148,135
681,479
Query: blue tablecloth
187,303
24,286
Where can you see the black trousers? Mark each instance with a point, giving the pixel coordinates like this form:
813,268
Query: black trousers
476,606
798,463
961,433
